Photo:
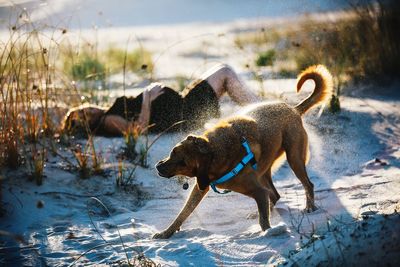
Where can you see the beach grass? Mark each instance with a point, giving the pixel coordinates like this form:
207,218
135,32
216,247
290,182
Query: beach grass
359,44
44,71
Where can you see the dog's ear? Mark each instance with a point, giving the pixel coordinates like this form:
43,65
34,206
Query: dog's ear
204,159
200,143
202,172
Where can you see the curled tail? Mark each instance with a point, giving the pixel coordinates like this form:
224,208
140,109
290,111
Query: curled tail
323,87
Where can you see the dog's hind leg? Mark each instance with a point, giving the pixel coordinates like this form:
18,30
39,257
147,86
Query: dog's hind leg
296,154
194,199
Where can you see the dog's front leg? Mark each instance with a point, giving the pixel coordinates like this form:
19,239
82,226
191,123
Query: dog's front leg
194,199
262,198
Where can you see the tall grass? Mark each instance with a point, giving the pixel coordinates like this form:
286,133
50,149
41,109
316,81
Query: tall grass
138,60
41,73
89,68
365,45
27,94
359,44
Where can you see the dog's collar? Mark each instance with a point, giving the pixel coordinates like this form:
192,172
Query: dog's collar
248,158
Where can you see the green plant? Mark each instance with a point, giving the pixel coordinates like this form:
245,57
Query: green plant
144,149
97,159
38,167
82,160
286,73
88,68
131,136
334,104
89,163
138,61
124,177
143,155
363,45
266,58
259,39
182,81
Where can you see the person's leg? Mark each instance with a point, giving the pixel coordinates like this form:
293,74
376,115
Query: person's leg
115,124
223,78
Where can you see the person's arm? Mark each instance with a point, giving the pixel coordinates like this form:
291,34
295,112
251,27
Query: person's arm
149,94
115,125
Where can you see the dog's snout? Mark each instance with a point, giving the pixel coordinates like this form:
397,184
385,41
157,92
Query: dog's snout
162,169
160,162
159,165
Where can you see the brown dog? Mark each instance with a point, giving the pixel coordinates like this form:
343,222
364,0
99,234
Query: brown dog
271,131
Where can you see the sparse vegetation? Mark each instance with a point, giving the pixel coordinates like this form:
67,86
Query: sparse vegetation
28,96
42,74
366,44
39,73
266,58
131,137
37,165
363,45
182,81
138,61
125,175
91,66
89,162
360,44
88,68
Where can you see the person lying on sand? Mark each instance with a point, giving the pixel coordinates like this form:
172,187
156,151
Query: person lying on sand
160,107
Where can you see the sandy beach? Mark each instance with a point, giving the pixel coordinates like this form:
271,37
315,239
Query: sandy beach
354,165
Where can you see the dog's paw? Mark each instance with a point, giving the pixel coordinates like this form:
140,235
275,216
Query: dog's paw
310,208
162,235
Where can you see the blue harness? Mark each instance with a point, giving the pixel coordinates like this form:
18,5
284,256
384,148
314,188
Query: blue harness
248,158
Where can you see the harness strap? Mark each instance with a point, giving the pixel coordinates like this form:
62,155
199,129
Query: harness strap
248,158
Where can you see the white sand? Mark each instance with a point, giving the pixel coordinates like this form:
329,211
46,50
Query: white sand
223,230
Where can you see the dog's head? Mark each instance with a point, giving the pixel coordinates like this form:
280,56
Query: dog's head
191,157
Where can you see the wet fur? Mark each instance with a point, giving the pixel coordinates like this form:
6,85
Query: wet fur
271,130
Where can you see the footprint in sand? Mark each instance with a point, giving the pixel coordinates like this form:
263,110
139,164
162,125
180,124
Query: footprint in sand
367,174
359,196
263,256
376,164
252,216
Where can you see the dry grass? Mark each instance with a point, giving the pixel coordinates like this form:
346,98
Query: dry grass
88,164
41,73
360,44
364,46
27,97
